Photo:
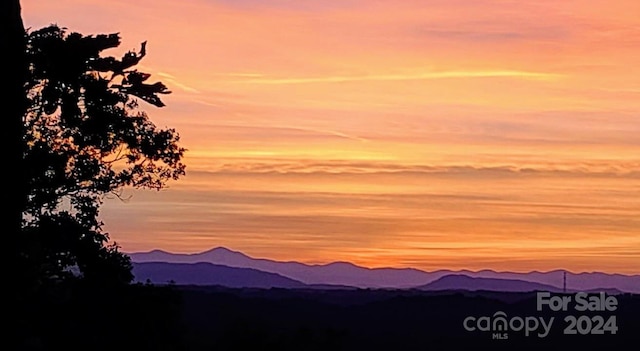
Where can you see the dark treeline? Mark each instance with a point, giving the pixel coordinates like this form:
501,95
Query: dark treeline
78,316
145,317
278,319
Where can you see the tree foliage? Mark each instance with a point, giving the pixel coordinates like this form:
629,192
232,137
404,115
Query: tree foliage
86,137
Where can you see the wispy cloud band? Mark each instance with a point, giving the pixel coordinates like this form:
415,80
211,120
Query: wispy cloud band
404,77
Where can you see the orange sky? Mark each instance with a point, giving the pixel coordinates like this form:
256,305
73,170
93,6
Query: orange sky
435,133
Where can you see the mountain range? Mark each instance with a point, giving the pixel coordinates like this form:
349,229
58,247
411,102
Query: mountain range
204,273
465,282
222,266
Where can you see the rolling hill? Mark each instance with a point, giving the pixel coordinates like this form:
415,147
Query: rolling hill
204,273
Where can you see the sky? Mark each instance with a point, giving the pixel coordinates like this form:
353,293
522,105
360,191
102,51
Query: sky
435,134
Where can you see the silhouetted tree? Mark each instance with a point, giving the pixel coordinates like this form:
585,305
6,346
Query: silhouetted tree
73,132
85,137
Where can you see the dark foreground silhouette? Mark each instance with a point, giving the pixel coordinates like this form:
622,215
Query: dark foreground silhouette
143,317
278,319
80,316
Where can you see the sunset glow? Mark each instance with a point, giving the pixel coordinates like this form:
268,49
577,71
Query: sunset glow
431,134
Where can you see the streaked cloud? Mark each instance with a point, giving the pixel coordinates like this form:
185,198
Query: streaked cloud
604,169
429,219
399,77
173,81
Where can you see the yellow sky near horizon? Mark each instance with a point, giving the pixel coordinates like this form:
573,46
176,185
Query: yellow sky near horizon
492,134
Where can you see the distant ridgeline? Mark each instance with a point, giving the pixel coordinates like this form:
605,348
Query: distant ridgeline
224,267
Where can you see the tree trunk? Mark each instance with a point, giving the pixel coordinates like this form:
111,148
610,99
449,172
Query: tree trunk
14,106
13,41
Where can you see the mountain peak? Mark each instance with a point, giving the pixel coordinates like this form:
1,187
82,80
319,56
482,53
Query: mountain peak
154,252
221,249
340,264
222,253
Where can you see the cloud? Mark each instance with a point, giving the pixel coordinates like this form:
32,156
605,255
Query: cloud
172,81
483,33
272,133
404,77
443,226
593,169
